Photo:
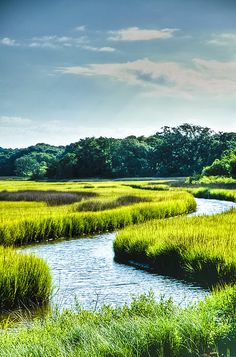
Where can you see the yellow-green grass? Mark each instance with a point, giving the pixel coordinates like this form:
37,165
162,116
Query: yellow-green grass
146,328
219,189
197,248
25,280
214,193
27,222
209,180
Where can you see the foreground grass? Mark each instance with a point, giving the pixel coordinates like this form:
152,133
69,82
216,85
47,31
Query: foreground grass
25,280
146,328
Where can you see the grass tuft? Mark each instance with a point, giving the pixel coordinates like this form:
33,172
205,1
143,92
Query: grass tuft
25,280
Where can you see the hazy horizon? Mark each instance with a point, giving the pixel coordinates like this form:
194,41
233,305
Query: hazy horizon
96,136
74,69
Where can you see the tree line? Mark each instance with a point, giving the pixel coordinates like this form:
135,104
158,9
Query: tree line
173,151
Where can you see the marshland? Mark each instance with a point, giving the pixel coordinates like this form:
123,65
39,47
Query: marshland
126,267
117,178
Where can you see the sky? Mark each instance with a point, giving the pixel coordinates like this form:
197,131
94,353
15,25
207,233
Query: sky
70,69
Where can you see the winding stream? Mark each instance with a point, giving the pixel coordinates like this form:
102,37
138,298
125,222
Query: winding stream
85,268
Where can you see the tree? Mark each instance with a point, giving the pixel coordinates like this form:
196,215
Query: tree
225,166
182,150
131,158
26,166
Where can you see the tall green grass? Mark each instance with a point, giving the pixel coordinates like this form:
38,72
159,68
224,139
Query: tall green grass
146,328
25,280
101,205
28,222
25,219
197,248
218,194
76,224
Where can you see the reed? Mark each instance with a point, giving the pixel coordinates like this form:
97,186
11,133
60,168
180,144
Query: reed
113,208
98,205
202,249
218,194
51,197
76,224
146,328
31,215
25,280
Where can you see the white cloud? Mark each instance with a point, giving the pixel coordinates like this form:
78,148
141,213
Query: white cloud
6,41
80,28
99,49
8,121
199,77
137,34
223,39
54,41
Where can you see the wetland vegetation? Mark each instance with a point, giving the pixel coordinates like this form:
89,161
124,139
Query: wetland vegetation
200,249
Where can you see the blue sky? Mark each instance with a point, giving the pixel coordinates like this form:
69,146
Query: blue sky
71,69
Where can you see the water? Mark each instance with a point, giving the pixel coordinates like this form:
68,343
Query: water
85,268
209,207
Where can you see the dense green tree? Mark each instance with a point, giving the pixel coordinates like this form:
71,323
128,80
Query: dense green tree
130,157
26,165
173,151
94,157
185,149
225,166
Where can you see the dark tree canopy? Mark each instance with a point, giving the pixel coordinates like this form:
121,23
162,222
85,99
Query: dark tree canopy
174,151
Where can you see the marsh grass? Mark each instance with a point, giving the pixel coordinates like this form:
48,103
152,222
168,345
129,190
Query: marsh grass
219,194
28,222
51,197
76,224
197,248
150,186
33,215
98,205
25,280
146,328
202,249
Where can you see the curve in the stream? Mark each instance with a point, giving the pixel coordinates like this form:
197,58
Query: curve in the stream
85,268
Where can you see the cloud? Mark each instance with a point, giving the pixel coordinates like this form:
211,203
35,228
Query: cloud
166,78
137,34
6,41
54,41
8,121
80,28
223,39
99,49
57,42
